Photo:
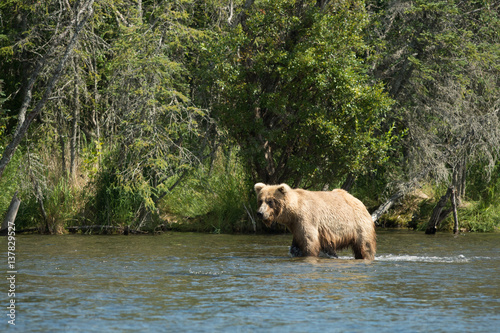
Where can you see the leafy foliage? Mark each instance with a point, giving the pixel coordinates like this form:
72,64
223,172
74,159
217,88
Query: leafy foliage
292,91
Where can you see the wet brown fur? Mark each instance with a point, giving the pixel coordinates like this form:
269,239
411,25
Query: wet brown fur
319,221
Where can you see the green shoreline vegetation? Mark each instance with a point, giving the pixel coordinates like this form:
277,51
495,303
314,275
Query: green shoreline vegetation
120,116
215,199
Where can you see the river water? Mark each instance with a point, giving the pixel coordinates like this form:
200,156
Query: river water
184,282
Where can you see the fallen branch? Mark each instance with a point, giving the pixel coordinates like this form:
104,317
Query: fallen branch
382,209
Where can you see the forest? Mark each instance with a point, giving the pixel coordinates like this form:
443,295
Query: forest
149,115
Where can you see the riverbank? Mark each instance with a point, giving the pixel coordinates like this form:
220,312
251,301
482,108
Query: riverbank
217,198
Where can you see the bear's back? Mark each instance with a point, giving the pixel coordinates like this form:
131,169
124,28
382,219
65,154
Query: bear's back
337,202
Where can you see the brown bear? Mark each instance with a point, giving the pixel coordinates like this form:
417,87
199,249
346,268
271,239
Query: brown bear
319,221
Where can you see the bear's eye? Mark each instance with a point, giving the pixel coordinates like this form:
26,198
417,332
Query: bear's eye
260,203
270,203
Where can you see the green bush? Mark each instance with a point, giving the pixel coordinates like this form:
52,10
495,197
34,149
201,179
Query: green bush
212,199
112,204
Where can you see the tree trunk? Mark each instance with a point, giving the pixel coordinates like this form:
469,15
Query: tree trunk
139,10
39,198
459,178
74,127
95,115
28,95
454,206
23,125
349,182
11,213
437,217
63,155
461,194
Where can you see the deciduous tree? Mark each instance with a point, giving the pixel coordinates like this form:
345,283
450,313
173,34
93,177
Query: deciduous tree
291,88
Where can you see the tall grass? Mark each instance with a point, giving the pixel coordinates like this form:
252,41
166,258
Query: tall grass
44,186
212,199
478,217
61,203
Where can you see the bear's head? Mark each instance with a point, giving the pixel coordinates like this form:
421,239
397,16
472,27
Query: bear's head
270,201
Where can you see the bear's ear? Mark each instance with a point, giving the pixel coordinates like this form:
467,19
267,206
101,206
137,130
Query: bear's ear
259,186
283,188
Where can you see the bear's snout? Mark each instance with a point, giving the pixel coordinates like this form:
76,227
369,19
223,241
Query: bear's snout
264,215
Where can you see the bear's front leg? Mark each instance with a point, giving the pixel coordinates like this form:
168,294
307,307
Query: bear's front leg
295,250
311,244
330,251
306,244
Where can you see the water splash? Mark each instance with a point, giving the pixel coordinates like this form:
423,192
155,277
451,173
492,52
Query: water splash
411,258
